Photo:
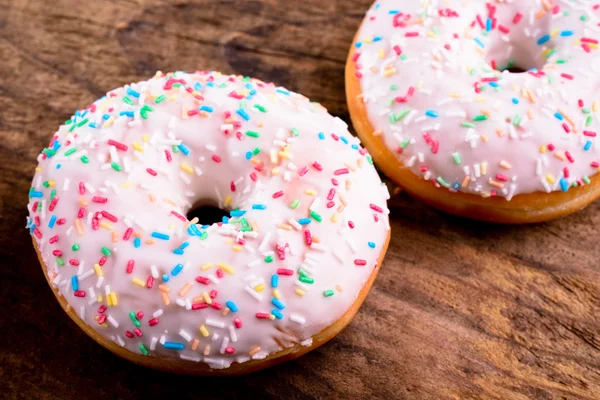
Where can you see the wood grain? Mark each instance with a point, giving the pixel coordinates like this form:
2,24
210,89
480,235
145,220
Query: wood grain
460,309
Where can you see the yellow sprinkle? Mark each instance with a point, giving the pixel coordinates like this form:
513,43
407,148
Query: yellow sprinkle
550,179
480,99
109,300
555,32
285,154
431,34
237,248
310,192
38,169
543,148
227,268
126,184
99,298
137,146
98,269
285,227
276,294
389,72
139,282
335,217
260,288
186,168
51,183
204,331
145,139
381,53
228,200
484,166
300,292
206,297
206,266
274,158
114,299
595,105
109,122
275,171
106,225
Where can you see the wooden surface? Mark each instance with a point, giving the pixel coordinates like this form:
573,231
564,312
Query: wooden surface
460,309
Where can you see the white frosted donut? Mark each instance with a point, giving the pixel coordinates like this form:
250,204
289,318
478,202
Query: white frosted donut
434,91
308,227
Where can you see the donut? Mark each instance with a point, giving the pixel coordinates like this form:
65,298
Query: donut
487,110
305,231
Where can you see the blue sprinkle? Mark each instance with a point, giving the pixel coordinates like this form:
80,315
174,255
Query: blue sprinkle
258,206
432,114
566,33
543,39
137,242
588,145
231,305
252,93
343,139
106,117
488,24
174,345
225,220
304,221
193,230
178,251
243,114
277,303
177,269
161,236
282,91
559,116
480,43
207,109
74,283
165,278
274,281
393,12
494,84
372,245
197,86
52,222
248,155
93,125
237,213
321,136
277,314
456,186
355,146
127,113
564,185
56,145
31,228
210,84
377,39
515,100
248,86
184,245
133,93
58,166
184,149
36,194
358,45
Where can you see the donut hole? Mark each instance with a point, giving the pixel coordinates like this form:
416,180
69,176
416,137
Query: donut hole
207,213
514,59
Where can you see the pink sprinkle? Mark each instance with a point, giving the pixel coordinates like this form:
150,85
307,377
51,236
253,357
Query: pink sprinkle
376,208
127,333
216,158
262,315
517,18
137,332
53,239
140,314
153,321
79,293
37,233
168,155
199,306
130,265
232,186
179,216
109,216
220,273
74,262
566,128
118,145
277,194
203,280
358,261
53,203
341,171
397,49
237,322
351,224
81,212
229,350
589,133
98,199
57,253
285,271
101,309
567,76
317,166
102,319
330,204
127,233
569,157
502,177
151,171
331,194
303,171
81,188
253,177
566,172
411,34
102,260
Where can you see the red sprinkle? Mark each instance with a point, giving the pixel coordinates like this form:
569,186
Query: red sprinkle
130,265
98,199
79,293
285,271
216,158
199,306
277,194
358,261
153,321
118,145
203,280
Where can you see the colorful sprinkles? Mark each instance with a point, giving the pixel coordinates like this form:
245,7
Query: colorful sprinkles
303,226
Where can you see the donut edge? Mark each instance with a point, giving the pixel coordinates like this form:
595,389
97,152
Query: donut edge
521,209
202,369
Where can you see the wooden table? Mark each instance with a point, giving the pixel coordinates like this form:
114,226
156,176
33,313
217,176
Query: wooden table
460,309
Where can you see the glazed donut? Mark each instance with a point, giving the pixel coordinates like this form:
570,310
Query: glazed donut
285,272
487,110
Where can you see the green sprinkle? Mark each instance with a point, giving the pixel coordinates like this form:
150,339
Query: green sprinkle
256,151
176,85
302,272
402,114
260,108
442,182
60,261
583,18
46,184
82,123
328,293
52,194
586,179
269,259
203,235
295,203
295,132
243,104
49,152
144,114
160,99
72,128
175,149
561,61
143,349
480,118
245,226
70,151
551,53
253,134
517,120
306,279
134,319
394,87
316,216
467,125
405,143
370,159
403,57
127,100
588,121
115,166
586,110
106,251
456,158
75,247
84,159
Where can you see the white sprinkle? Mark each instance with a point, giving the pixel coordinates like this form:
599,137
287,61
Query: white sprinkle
216,324
297,318
185,335
253,293
224,344
153,343
112,321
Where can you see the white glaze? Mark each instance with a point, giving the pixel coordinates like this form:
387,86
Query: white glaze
144,202
500,156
